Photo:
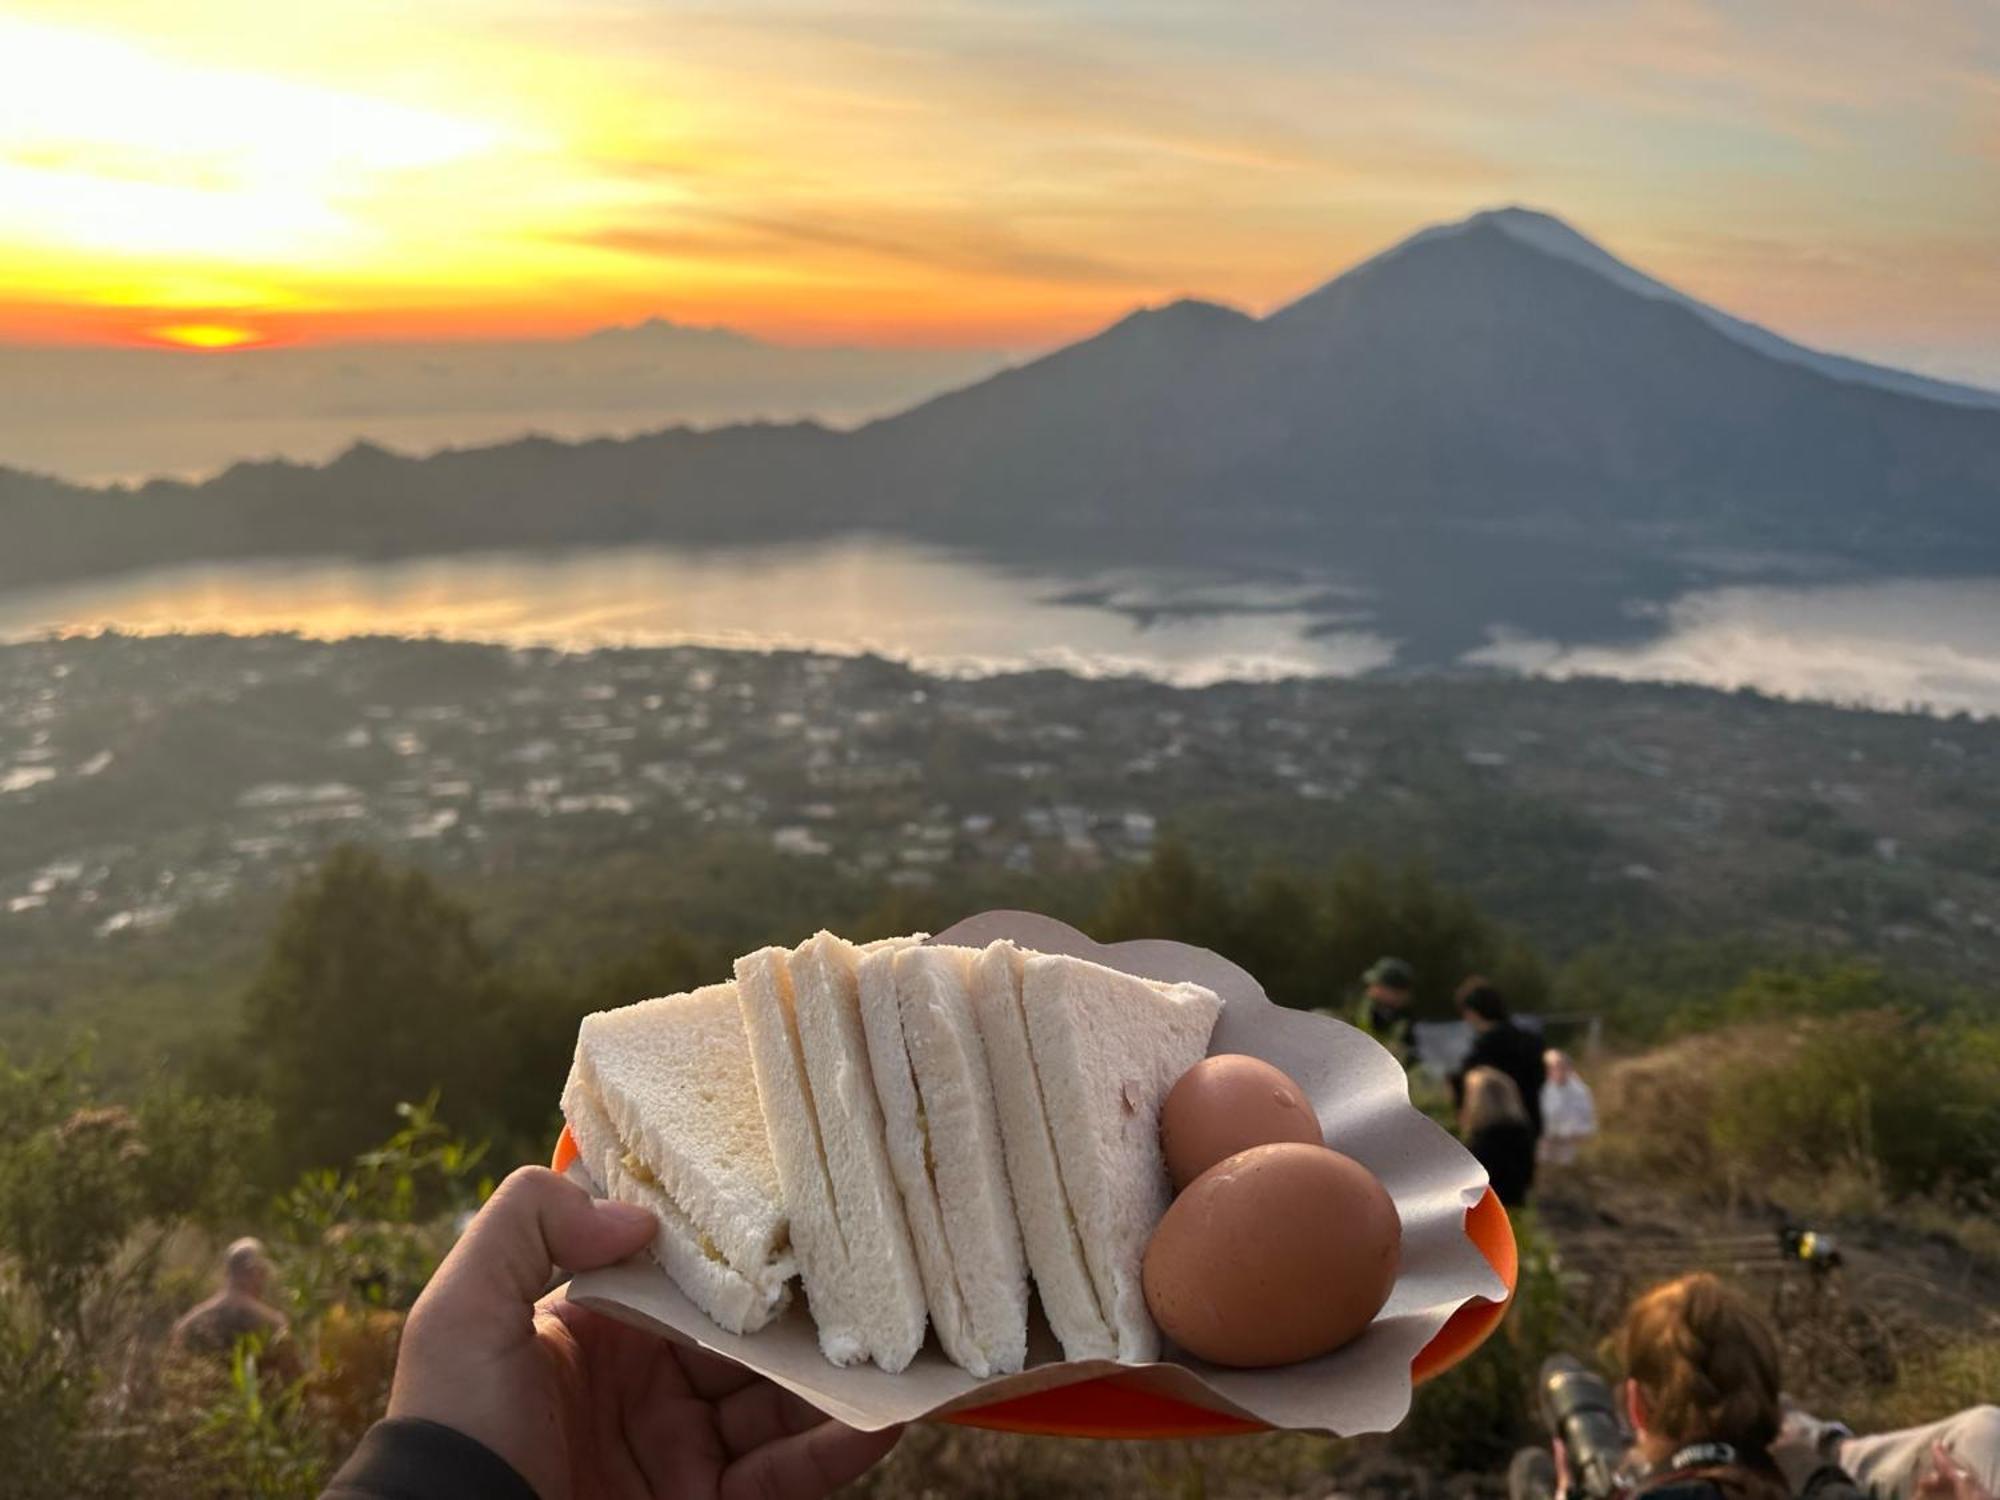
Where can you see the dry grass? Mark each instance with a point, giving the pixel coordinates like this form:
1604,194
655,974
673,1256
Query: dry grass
937,1461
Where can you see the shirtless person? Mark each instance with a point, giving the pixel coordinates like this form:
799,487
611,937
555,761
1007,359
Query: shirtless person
238,1310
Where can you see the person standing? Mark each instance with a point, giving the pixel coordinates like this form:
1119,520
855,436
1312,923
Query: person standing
1494,1126
1569,1112
1498,1043
1389,985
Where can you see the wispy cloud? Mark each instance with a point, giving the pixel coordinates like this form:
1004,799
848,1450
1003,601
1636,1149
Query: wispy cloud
971,169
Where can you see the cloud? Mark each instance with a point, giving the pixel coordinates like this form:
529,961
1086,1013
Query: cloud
967,243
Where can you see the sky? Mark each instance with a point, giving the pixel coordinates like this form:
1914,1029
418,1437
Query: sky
971,173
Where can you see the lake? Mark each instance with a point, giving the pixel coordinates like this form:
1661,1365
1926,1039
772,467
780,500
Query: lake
1885,644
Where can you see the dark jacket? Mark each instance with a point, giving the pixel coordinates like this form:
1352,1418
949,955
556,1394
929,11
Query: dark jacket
1516,1053
1507,1151
404,1459
1750,1477
1391,1025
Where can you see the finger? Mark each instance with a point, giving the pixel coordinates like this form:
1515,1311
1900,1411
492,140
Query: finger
534,1222
807,1464
711,1376
1948,1467
761,1413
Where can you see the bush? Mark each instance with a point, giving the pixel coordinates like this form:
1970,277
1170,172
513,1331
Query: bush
1914,1107
1474,1415
95,1197
1909,1107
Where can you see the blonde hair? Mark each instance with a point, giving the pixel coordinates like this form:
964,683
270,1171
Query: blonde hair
1491,1098
1706,1364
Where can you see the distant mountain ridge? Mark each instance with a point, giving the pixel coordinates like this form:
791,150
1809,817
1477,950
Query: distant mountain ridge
1494,408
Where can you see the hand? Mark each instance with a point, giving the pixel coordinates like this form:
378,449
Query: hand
585,1407
1947,1479
1561,1455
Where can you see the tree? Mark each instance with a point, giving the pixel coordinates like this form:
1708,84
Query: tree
375,990
1170,896
1307,941
1370,911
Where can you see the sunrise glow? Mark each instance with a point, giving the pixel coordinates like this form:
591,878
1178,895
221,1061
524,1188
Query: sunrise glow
206,335
979,174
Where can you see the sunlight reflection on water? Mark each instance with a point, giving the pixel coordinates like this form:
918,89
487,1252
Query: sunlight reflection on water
1888,644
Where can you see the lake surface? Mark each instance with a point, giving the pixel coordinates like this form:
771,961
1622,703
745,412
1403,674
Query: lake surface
1888,644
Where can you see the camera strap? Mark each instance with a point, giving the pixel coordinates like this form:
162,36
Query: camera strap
1702,1456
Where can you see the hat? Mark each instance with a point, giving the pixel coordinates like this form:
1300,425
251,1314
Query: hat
1392,972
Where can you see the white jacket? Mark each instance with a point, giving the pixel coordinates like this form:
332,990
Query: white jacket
1568,1110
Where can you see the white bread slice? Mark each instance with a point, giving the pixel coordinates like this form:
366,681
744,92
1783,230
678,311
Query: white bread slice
1055,1254
733,1300
882,1281
905,1133
956,1155
1107,1048
674,1078
784,1092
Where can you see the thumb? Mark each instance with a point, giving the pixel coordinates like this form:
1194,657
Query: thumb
534,1222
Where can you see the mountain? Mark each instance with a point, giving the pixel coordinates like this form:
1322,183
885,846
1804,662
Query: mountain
1491,421
1470,377
94,414
1549,234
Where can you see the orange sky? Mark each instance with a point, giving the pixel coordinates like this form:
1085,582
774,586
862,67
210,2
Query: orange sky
979,172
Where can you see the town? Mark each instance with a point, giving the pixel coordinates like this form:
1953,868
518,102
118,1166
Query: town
143,780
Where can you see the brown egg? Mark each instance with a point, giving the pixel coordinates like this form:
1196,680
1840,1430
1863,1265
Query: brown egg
1226,1104
1277,1254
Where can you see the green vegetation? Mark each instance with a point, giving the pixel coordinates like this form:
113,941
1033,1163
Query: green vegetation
109,1222
1832,1085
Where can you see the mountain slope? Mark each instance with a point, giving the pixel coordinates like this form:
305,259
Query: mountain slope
1496,378
1474,375
1551,236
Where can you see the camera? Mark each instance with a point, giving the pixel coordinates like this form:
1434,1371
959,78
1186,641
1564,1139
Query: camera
1579,1409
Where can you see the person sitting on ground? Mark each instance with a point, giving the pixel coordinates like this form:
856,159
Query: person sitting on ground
1384,1012
1494,1126
1955,1459
504,1394
238,1311
1701,1393
1569,1112
1498,1043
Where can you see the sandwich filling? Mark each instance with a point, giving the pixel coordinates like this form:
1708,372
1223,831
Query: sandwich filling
741,1297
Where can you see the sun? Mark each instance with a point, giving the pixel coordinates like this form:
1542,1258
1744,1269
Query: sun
206,335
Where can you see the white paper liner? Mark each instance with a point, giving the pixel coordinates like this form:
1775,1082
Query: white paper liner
1362,1097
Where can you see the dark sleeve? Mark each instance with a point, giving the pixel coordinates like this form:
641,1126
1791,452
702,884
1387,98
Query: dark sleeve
1479,1055
407,1459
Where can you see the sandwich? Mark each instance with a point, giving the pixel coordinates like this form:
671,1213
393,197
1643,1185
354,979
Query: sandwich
802,1013
944,1141
662,1104
1104,1049
1048,1226
911,1129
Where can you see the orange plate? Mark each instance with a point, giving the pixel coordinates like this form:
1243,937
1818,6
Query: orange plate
1108,1408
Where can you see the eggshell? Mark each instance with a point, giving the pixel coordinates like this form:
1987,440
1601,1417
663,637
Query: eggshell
1226,1104
1276,1254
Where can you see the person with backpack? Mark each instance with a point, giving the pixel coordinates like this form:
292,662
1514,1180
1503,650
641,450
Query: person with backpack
1498,1043
1493,1123
1697,1417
